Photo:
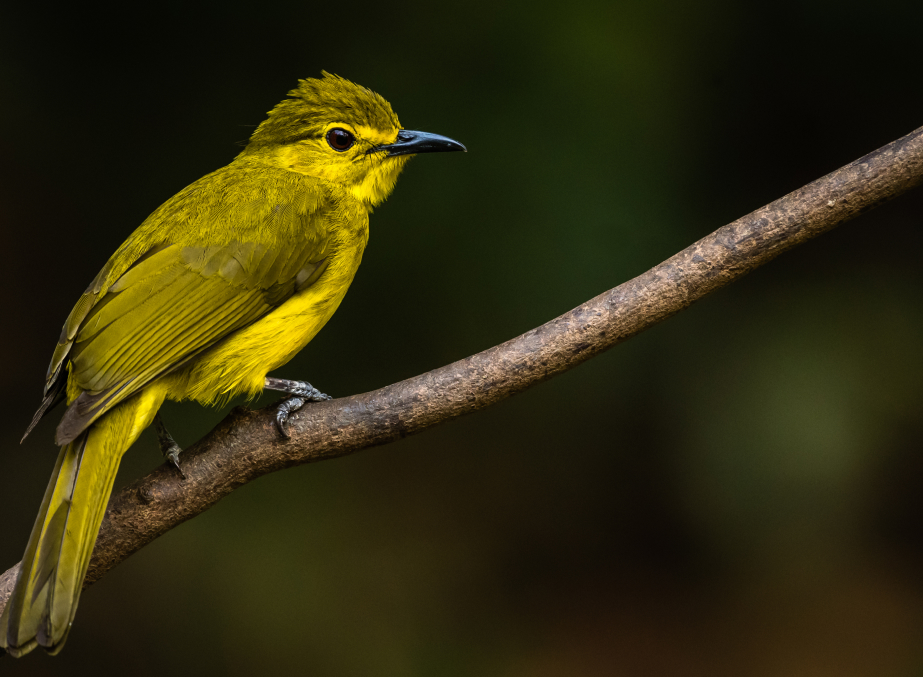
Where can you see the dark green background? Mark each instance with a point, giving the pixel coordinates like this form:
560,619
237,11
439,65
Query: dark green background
735,492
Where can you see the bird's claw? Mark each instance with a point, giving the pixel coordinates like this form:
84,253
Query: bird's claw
173,457
312,394
301,392
287,407
168,446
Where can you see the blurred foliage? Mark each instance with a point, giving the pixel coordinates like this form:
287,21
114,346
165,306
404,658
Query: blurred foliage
733,492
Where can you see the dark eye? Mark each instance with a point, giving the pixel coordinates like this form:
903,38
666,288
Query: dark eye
340,139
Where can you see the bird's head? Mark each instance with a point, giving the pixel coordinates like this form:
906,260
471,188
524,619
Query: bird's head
336,130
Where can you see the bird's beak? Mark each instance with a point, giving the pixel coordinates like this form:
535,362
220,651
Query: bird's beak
410,142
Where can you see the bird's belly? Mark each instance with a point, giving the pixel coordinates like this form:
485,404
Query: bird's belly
239,363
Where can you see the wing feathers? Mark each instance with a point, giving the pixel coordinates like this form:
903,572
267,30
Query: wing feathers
175,300
170,307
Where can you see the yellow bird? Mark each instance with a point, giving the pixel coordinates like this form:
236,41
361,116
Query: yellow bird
223,283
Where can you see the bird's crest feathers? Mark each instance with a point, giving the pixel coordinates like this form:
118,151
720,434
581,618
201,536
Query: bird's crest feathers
317,102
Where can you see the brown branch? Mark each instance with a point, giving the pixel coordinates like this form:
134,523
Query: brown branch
246,445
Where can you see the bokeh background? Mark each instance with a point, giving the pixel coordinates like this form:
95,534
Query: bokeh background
734,492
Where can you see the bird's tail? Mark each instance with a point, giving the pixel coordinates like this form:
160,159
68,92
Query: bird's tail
44,600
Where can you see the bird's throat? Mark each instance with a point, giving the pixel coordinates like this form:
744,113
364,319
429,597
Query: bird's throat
371,187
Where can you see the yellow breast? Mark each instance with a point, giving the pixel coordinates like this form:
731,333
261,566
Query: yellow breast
239,363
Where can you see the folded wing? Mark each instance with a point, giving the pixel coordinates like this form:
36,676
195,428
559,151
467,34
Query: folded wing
177,299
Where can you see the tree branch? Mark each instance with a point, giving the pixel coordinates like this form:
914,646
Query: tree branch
246,444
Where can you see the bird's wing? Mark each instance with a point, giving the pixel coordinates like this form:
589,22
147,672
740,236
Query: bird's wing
170,307
174,302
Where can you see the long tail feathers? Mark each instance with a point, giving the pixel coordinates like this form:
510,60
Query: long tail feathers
43,603
44,600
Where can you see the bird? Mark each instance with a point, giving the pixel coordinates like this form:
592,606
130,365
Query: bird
222,284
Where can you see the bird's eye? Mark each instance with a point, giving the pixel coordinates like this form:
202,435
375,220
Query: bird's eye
340,139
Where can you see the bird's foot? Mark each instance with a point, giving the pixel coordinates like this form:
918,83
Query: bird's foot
301,393
286,408
171,450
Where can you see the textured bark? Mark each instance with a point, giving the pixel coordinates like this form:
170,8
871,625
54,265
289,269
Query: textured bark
246,444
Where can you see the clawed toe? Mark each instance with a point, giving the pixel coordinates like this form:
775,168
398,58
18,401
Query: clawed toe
301,389
286,408
168,446
301,393
173,457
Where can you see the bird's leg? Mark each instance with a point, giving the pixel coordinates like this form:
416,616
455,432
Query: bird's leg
300,391
171,450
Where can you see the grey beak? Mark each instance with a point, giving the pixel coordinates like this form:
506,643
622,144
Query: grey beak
410,142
